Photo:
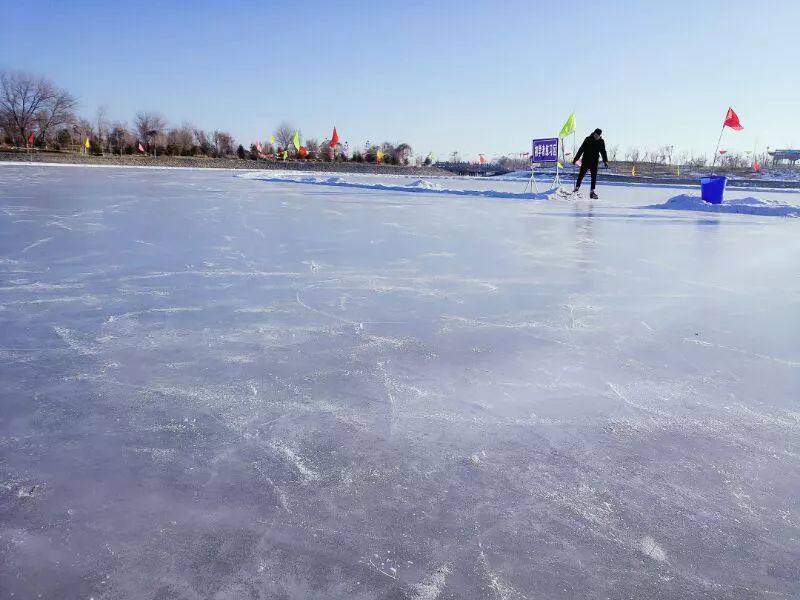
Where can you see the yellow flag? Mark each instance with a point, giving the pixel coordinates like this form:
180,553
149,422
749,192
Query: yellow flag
679,170
379,155
559,165
296,141
569,127
87,144
285,155
272,139
633,170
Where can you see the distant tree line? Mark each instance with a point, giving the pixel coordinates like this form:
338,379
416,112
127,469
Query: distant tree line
35,113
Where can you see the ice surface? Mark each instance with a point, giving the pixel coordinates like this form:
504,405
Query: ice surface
215,387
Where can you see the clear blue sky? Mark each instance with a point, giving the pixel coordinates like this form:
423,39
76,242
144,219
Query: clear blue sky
473,76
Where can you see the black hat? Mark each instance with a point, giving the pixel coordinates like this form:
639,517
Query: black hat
598,131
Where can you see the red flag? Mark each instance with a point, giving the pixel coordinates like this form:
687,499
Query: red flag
31,139
334,138
258,147
482,159
141,148
756,166
732,120
723,151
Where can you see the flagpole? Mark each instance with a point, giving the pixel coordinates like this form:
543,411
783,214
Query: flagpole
573,154
719,141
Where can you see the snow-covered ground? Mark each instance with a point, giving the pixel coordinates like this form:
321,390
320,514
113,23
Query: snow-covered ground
217,386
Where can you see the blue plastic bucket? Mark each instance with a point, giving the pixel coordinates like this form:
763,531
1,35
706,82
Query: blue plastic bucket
712,188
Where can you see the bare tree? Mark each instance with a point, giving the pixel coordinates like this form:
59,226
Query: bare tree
119,137
653,156
325,151
201,140
403,153
612,152
666,152
32,105
180,140
313,147
223,143
284,134
101,122
148,127
633,155
698,161
84,129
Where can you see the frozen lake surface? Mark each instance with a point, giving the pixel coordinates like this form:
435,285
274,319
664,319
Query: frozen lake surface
221,387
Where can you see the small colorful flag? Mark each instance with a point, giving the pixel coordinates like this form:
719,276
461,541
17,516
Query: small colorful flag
272,139
481,159
285,155
31,139
258,147
334,138
87,145
559,165
732,120
296,141
723,151
379,155
141,148
569,127
633,170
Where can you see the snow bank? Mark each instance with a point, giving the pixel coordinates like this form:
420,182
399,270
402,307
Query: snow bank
425,185
418,186
746,206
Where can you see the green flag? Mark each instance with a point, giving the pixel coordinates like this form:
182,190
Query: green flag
569,127
296,141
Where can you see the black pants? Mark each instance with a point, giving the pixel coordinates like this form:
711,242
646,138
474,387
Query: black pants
587,166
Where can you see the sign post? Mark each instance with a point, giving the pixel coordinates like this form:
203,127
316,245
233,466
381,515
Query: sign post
543,151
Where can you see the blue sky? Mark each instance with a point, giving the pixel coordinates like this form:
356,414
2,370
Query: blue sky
443,76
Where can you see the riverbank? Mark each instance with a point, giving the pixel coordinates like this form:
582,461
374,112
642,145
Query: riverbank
195,162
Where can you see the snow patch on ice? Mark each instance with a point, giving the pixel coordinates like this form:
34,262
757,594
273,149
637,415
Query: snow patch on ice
746,206
651,549
419,186
431,588
425,185
34,244
297,461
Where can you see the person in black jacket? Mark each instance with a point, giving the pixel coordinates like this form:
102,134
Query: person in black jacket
592,148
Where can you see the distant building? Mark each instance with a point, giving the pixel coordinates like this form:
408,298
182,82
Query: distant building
790,156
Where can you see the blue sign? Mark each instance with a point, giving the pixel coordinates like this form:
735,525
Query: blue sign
545,150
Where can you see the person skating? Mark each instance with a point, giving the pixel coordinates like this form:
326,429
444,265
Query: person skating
592,148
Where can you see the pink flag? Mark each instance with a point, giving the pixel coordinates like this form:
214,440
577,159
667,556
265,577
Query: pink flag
258,147
141,148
